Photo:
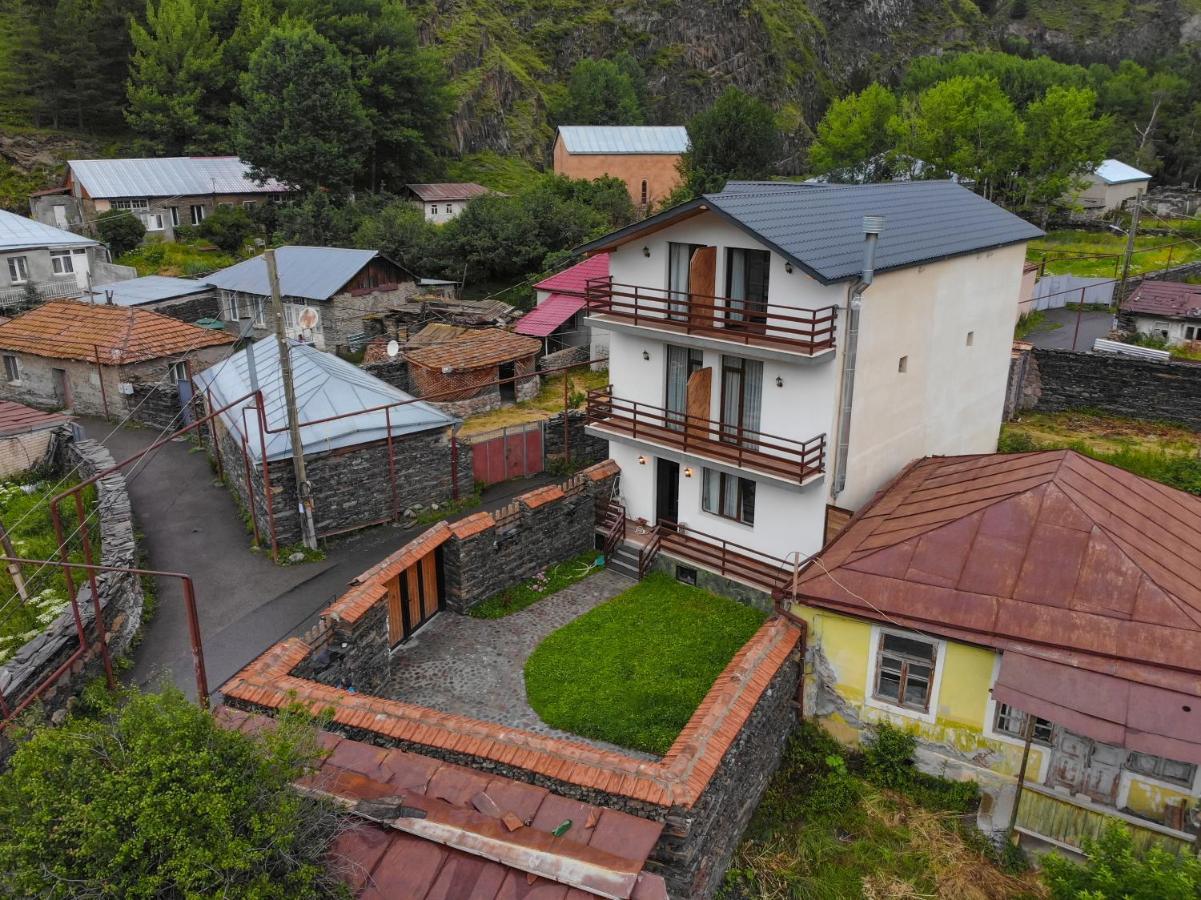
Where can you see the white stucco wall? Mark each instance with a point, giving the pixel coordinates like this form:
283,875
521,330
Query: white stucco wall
1175,328
438,212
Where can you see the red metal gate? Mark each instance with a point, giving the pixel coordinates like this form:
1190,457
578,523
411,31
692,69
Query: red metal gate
512,452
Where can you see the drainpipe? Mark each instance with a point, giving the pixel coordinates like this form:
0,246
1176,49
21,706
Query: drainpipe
872,226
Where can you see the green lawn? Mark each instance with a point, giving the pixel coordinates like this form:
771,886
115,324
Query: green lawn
27,517
633,670
549,581
1064,251
176,258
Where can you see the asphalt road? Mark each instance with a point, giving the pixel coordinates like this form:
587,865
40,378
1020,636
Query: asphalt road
1059,329
245,602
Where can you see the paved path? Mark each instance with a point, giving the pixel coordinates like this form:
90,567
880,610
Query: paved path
246,602
1093,325
475,667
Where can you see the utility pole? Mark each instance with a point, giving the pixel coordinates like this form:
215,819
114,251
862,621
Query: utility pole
285,366
1138,198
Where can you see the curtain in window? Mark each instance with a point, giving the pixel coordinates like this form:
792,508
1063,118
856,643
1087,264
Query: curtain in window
731,398
752,400
710,491
678,260
677,386
736,280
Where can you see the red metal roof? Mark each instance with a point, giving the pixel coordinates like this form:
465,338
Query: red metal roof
574,279
16,418
1165,298
549,315
1051,554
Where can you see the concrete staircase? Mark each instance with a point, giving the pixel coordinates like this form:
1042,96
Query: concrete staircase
624,559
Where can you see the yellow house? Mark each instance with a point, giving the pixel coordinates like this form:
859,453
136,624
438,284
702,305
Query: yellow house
1003,603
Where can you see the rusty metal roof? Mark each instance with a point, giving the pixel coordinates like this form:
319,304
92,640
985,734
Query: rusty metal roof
475,349
1165,298
448,190
16,418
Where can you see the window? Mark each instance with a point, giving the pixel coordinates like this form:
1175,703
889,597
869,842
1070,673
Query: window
746,288
250,203
1191,332
178,371
173,211
904,671
1012,722
679,259
1162,768
197,213
741,400
130,203
450,207
154,221
903,364
728,496
18,269
11,372
686,575
61,262
434,209
681,363
644,192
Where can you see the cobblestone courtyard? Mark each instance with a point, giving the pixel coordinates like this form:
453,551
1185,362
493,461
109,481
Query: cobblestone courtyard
473,667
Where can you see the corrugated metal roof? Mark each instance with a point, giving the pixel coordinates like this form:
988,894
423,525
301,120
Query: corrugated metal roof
16,418
314,273
168,177
820,227
573,280
20,233
549,315
599,139
1165,298
1114,171
147,289
325,386
448,190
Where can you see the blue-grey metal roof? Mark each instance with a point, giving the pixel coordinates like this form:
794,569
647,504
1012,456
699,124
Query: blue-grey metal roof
326,385
313,273
173,176
820,227
20,233
148,289
624,138
1114,171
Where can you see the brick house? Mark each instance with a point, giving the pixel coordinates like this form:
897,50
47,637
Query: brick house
645,157
25,436
462,374
104,360
343,286
41,261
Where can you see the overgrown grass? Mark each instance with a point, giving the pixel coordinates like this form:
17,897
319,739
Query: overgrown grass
507,174
549,402
1160,451
27,517
1033,322
549,581
178,258
1151,252
835,824
451,508
1190,351
633,670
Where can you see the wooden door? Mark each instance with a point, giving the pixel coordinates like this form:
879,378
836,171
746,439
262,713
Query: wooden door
702,285
413,598
413,583
429,587
700,386
396,628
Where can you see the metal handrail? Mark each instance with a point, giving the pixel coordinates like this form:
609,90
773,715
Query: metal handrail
747,322
733,445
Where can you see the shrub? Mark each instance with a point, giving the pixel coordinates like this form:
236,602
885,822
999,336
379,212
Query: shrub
1114,869
888,763
121,230
229,227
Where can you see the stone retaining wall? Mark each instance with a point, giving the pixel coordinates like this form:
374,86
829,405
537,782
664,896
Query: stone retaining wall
121,597
568,356
393,371
585,448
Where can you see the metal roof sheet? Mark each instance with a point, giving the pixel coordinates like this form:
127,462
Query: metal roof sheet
448,190
148,289
326,386
16,418
20,233
1165,298
314,273
820,227
172,176
1114,171
549,315
574,280
672,139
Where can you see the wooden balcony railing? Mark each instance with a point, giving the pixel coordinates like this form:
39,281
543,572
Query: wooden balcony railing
730,445
770,325
766,572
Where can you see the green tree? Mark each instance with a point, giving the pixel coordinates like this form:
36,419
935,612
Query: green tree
175,78
601,92
1114,870
1065,141
1141,102
121,230
152,798
317,219
853,138
229,227
301,120
736,137
399,231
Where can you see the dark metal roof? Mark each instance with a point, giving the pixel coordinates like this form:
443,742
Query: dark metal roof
820,227
1165,298
448,190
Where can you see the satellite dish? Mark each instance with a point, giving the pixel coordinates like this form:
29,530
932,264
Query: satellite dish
393,347
308,318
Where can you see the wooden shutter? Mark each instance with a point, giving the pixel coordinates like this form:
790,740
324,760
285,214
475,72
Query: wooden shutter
702,285
429,577
700,384
396,628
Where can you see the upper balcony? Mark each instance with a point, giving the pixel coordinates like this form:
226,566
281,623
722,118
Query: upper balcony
792,461
750,324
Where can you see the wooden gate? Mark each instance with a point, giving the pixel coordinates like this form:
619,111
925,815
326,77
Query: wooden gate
513,452
414,597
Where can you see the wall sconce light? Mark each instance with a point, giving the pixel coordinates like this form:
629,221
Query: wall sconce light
642,460
646,356
779,381
687,472
646,251
788,267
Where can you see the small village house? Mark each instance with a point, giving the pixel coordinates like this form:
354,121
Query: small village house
371,452
978,596
443,201
164,193
342,286
180,298
645,157
25,435
1111,187
558,319
96,359
476,370
41,262
1167,310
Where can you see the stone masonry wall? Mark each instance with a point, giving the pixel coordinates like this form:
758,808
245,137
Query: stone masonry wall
585,448
393,371
204,306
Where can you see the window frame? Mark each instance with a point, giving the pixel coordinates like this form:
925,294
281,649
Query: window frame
1158,769
1005,710
12,368
871,699
131,204
740,496
62,262
196,213
173,212
153,220
18,269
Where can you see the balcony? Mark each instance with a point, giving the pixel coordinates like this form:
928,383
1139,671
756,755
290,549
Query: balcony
809,332
763,571
789,460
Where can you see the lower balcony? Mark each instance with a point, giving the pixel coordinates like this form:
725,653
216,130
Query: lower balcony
796,462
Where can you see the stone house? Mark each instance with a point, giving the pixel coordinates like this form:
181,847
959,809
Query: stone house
476,371
443,201
340,287
25,435
164,193
1168,310
371,451
559,318
180,298
645,157
41,262
1110,187
103,360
